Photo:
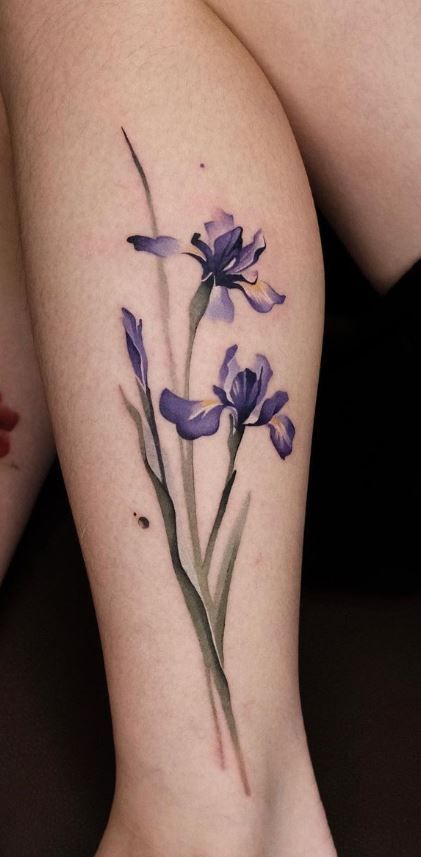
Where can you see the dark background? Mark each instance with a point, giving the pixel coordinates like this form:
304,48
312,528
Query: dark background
360,625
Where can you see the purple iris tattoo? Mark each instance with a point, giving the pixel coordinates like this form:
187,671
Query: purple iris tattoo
224,261
242,393
138,358
135,347
204,574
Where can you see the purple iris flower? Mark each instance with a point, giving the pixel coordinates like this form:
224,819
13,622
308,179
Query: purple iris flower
224,261
241,392
135,347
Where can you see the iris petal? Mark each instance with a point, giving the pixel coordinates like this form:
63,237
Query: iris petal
226,246
135,347
192,418
250,253
222,396
282,433
203,248
220,306
223,222
260,295
263,370
243,393
161,246
271,407
229,369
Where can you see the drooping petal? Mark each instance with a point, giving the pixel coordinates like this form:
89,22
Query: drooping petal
249,254
220,306
226,247
222,222
135,346
271,407
222,396
162,246
229,369
282,433
260,295
193,419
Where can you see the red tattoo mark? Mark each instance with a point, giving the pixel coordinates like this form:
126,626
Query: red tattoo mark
8,421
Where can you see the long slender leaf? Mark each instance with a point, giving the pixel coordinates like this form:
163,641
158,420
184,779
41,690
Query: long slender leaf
217,522
164,291
225,576
192,598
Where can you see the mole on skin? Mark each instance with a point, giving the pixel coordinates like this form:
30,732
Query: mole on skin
142,521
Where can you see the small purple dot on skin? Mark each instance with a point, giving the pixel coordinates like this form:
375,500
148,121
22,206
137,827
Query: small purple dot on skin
202,166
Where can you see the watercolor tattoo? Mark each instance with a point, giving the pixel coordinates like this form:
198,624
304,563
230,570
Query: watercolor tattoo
227,265
8,421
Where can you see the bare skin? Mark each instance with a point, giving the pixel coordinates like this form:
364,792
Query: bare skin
349,77
211,132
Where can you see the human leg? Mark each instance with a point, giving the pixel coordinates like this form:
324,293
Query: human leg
210,134
349,77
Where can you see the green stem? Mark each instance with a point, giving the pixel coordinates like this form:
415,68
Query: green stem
189,487
147,403
197,309
215,718
224,578
164,292
192,598
234,441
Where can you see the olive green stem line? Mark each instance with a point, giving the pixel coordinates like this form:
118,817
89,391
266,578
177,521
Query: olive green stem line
224,579
189,487
146,399
164,292
197,309
191,597
235,438
164,296
215,718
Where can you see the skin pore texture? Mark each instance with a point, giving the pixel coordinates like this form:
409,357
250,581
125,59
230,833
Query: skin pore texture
206,137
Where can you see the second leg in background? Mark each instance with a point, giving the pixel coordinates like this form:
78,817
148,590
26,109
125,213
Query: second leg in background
217,150
349,77
26,446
